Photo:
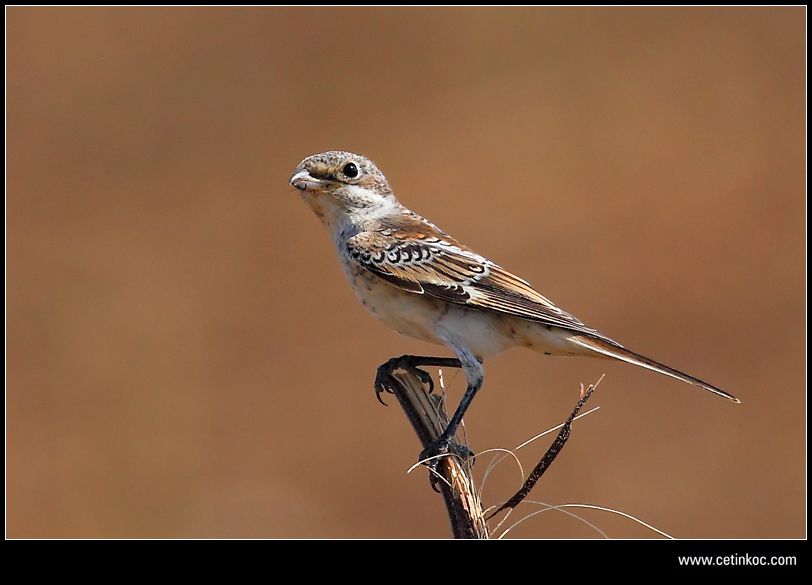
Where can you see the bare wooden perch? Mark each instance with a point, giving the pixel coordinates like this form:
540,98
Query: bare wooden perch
427,414
426,411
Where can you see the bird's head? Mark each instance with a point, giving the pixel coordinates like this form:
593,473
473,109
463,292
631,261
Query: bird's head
337,182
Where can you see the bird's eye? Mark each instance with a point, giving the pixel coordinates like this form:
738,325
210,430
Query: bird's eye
350,170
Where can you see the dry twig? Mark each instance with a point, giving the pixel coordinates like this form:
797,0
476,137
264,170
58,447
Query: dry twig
549,456
426,412
453,475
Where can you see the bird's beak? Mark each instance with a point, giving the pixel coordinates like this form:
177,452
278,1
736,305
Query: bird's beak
304,181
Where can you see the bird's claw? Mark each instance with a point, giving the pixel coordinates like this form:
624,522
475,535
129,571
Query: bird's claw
434,453
443,446
384,381
425,377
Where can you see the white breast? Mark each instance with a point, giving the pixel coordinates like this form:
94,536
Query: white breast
407,313
427,318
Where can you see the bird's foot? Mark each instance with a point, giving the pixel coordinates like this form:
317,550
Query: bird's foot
443,447
383,376
436,452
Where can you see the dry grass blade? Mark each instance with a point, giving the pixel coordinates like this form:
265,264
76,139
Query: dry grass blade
584,506
550,455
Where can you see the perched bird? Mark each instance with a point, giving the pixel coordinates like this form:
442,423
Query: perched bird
423,283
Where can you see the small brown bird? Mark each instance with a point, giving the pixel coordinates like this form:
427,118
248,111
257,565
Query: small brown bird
421,282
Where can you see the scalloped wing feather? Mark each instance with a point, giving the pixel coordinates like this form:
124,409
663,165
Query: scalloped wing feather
428,261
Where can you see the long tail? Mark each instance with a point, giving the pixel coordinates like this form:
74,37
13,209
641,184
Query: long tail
619,352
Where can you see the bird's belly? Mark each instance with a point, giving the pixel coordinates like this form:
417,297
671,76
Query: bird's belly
483,333
407,313
427,318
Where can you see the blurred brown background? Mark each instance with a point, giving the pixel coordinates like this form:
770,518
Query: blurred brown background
185,358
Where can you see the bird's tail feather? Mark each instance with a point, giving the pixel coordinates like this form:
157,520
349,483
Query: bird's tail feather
619,352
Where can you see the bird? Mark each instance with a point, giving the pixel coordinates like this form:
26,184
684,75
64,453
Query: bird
420,281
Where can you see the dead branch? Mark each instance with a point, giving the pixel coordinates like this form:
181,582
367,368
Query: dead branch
548,458
427,414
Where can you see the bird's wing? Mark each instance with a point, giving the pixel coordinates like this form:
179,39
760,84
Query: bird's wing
427,261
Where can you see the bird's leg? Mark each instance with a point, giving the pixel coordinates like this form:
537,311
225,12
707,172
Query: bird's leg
445,444
410,363
475,374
